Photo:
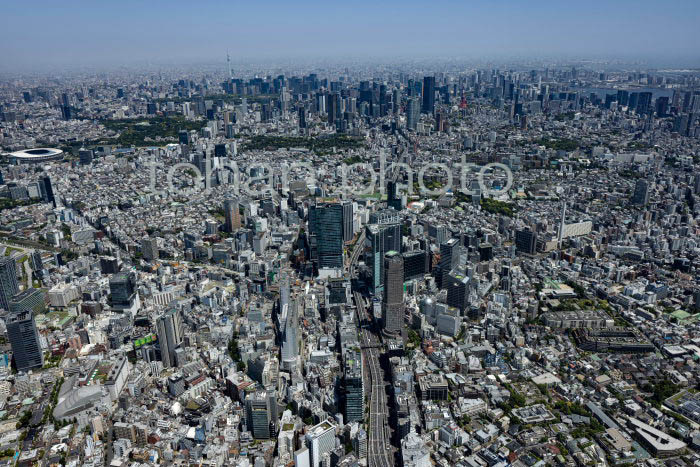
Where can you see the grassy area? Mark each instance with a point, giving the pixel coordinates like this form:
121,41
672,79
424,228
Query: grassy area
9,250
498,207
7,203
133,132
565,144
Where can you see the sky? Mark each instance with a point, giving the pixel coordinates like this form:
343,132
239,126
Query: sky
40,35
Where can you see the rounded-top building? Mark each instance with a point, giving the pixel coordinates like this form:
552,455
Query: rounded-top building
30,156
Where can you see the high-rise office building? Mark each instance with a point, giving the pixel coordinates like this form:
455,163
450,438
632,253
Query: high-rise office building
526,241
326,226
169,331
662,104
394,199
37,263
412,113
428,95
333,108
122,287
290,343
232,215
66,112
392,303
24,339
320,439
302,117
457,287
261,414
9,286
381,238
347,221
644,103
449,258
109,265
47,190
415,264
354,390
640,197
149,248
86,156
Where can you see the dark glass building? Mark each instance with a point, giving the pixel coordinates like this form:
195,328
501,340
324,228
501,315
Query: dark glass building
392,304
24,339
428,95
326,228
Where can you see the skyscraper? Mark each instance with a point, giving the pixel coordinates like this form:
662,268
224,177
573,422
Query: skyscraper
354,390
149,248
290,344
232,214
9,286
261,414
526,241
644,102
457,287
347,221
320,439
326,225
412,113
392,303
47,190
449,258
381,238
169,330
640,197
24,339
428,95
333,107
122,287
415,264
394,196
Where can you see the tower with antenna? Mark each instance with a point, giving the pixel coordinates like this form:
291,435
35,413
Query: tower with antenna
228,61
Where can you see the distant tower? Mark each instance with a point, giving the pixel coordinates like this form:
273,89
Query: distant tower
463,102
228,61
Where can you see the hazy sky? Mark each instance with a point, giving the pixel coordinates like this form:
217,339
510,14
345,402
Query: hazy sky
45,34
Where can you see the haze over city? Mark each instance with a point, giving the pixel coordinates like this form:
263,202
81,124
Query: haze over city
42,35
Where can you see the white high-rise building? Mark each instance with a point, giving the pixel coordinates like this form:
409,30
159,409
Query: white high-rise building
320,440
290,345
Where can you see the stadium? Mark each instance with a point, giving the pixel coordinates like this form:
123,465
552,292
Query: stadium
31,156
